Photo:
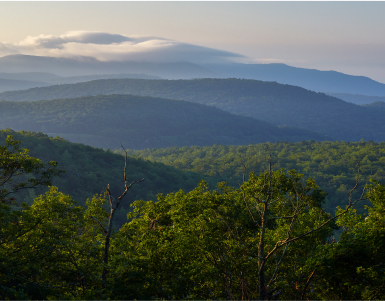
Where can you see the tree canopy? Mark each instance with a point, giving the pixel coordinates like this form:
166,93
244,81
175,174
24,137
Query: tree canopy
269,238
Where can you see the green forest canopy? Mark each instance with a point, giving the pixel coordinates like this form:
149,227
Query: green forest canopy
89,170
267,239
332,164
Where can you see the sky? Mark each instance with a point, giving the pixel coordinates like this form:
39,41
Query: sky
348,37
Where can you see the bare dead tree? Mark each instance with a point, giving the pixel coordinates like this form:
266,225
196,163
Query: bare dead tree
113,208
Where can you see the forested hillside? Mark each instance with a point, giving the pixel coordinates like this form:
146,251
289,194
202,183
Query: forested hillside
89,170
332,164
141,122
269,101
268,238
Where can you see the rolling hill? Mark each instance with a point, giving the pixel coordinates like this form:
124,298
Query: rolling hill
88,170
357,99
142,122
27,80
269,101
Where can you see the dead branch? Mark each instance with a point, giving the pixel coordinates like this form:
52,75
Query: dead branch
113,209
306,285
99,223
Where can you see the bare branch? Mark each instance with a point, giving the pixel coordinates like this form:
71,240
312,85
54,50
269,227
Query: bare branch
111,219
306,285
248,208
277,267
272,202
279,217
109,195
101,226
128,187
284,242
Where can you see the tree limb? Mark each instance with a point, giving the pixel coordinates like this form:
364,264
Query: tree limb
101,226
306,285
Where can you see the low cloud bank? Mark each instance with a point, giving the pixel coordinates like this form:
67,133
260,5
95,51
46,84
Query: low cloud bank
114,47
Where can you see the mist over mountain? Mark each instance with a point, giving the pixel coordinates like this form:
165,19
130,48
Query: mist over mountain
50,78
311,79
109,47
11,84
30,76
27,80
84,53
86,66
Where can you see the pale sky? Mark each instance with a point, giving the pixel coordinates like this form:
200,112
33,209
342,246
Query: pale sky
347,37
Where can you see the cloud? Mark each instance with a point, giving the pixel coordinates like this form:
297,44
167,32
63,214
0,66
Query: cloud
278,61
114,47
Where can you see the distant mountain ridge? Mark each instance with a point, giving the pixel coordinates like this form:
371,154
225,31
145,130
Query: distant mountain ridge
312,79
85,66
376,105
357,99
142,122
11,84
27,80
51,78
272,102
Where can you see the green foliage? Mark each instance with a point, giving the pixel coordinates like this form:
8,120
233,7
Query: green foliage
20,171
354,267
331,164
89,170
204,244
37,243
